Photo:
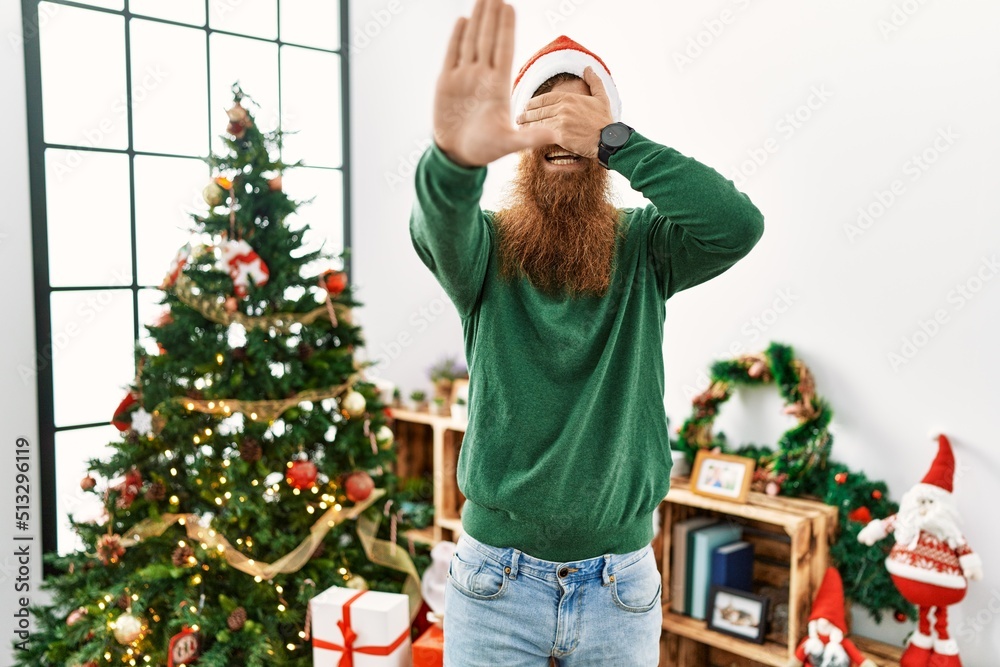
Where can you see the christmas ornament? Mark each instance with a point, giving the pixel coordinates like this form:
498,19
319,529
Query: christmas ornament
87,483
900,616
76,616
184,648
358,486
239,121
128,489
128,628
250,450
840,477
176,266
876,494
142,422
301,474
118,419
930,561
242,263
183,556
213,194
385,437
335,282
827,645
156,492
274,185
354,403
231,304
357,582
861,515
237,619
109,548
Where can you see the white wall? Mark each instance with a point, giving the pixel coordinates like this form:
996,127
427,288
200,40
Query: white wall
18,407
882,93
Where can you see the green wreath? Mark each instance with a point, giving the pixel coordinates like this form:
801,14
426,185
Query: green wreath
800,465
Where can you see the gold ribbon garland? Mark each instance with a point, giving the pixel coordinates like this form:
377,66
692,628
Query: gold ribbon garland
215,311
388,554
267,410
212,540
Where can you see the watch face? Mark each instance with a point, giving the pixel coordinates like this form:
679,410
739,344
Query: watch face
615,135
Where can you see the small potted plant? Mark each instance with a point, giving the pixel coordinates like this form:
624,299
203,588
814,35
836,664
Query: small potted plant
419,398
438,406
460,410
444,373
397,398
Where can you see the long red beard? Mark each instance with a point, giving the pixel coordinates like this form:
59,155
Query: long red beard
559,228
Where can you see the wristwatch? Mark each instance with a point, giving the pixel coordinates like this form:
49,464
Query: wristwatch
613,137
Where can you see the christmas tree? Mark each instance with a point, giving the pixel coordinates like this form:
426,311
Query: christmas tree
254,467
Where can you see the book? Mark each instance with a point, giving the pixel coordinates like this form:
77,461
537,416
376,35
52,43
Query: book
732,566
678,566
702,543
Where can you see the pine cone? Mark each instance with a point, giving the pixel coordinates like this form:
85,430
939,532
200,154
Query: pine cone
239,354
305,350
182,556
250,450
237,619
124,601
156,492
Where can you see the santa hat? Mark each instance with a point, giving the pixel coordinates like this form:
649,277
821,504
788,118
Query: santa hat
942,472
560,55
829,602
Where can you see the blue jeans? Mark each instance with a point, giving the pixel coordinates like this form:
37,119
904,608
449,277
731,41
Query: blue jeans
504,608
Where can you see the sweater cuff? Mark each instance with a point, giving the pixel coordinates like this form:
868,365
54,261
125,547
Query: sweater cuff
451,174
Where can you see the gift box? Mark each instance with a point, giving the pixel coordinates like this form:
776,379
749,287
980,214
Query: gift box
428,649
352,628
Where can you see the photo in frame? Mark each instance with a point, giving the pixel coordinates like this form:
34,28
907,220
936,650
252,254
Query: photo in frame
737,613
722,476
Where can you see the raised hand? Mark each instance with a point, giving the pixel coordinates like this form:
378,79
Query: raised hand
472,122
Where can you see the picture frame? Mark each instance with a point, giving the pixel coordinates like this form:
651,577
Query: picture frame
722,476
738,613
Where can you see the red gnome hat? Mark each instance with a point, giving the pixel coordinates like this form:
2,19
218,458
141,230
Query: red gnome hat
942,472
829,602
560,55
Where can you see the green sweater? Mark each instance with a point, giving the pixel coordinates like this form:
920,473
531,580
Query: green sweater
566,454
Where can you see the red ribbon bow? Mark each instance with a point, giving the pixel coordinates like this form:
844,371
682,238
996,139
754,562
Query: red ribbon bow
348,647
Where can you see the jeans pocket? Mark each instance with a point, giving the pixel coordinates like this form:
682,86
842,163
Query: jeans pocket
476,575
637,587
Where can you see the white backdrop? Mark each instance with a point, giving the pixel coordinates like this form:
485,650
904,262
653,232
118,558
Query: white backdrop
865,132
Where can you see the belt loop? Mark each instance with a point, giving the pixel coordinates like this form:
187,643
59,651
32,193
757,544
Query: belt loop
605,580
514,558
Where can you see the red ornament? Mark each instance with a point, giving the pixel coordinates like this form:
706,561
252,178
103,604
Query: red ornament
274,185
876,494
131,399
335,282
184,647
358,486
87,483
841,477
231,304
861,515
109,548
301,475
900,616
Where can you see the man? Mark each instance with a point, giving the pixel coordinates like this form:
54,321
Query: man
562,301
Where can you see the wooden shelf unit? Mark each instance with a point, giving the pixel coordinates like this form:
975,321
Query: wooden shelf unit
428,447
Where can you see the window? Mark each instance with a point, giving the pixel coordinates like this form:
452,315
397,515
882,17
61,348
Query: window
125,99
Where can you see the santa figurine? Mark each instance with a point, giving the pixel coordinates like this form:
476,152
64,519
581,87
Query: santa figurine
930,560
241,262
827,644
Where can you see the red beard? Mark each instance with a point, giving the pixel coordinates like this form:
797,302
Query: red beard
560,228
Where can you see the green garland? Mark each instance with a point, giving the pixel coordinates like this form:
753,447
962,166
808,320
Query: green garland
800,466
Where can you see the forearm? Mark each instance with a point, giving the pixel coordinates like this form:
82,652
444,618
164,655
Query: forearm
447,226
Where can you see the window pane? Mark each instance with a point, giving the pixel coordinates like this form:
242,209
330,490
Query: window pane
73,450
182,11
169,88
107,4
311,23
310,105
93,356
324,215
258,18
150,308
256,70
83,77
167,190
88,218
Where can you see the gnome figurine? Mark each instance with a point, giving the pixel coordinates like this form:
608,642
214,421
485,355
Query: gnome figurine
827,644
930,560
